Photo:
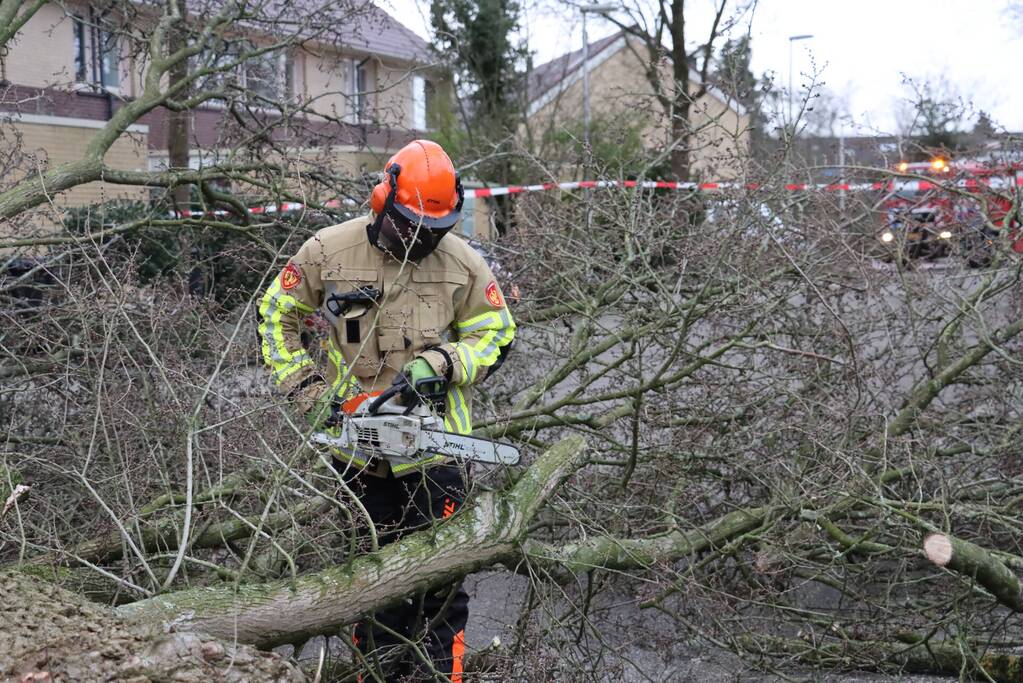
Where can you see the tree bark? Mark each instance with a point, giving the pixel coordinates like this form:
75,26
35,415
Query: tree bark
607,552
177,121
681,104
974,562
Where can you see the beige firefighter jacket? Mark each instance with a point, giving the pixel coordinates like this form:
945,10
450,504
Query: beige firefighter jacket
447,306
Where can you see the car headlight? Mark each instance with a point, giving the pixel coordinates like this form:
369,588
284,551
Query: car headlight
887,236
945,235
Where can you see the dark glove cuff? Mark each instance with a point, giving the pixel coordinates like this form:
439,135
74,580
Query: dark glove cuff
449,367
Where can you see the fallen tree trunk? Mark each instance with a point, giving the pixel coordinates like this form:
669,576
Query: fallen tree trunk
974,562
487,532
609,552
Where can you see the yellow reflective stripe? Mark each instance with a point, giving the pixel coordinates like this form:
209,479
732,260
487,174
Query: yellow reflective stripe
456,417
398,469
498,330
490,318
348,457
274,305
465,358
342,454
285,371
489,348
345,380
483,353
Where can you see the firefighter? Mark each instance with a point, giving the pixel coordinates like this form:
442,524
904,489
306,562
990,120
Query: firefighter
404,302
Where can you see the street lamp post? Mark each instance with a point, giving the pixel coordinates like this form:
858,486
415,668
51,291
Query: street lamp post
793,39
587,9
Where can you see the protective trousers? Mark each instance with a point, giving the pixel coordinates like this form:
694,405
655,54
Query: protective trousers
434,621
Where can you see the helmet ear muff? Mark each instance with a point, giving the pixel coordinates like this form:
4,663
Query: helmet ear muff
379,197
385,190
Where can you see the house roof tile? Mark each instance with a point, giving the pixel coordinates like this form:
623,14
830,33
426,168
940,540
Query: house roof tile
360,26
549,74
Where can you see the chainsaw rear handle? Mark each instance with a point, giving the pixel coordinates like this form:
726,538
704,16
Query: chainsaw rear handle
433,389
386,395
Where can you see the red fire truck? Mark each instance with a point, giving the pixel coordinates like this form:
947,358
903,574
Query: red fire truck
939,207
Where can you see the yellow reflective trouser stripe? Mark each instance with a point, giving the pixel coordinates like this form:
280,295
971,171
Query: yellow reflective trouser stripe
405,467
397,469
274,305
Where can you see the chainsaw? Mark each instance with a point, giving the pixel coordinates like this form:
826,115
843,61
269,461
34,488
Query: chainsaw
378,425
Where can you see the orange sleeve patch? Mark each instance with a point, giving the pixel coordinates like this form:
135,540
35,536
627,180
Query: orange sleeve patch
291,277
494,295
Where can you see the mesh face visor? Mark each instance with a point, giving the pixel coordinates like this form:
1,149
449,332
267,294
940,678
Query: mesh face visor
431,222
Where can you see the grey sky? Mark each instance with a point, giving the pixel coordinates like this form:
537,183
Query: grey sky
861,49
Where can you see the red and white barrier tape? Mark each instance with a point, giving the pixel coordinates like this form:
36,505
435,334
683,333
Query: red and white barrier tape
885,186
902,186
286,207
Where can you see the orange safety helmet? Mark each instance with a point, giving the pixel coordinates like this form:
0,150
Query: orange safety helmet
420,184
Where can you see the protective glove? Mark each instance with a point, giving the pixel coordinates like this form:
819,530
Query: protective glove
414,371
418,369
324,413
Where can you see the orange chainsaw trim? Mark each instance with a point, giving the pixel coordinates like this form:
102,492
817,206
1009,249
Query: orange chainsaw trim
351,405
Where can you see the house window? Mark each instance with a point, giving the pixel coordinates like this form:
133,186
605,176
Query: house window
469,216
264,79
97,55
224,74
418,103
267,76
81,61
359,97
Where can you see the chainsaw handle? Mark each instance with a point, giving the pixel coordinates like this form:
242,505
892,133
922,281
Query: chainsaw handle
385,396
433,389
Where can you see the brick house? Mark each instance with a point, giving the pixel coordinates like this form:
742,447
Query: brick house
63,78
621,93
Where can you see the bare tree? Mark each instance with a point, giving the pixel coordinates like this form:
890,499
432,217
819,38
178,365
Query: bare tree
664,35
743,432
933,114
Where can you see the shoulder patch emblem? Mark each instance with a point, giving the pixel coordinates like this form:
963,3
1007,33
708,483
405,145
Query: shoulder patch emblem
494,296
291,277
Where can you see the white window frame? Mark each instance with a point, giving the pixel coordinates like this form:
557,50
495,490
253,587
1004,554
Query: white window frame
418,103
85,36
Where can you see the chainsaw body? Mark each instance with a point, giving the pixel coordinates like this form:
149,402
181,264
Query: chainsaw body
381,427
